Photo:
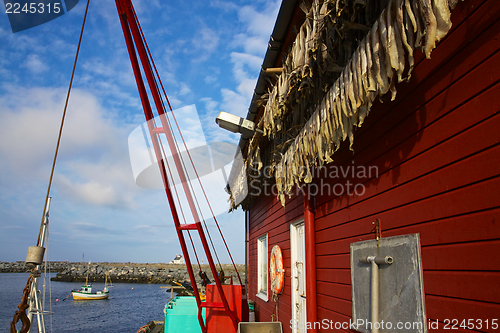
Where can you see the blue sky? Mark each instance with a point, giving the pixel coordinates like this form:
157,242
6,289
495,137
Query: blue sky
208,54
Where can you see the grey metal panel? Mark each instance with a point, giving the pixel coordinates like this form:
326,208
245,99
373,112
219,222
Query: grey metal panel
401,298
263,327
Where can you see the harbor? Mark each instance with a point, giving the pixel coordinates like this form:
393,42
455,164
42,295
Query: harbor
358,181
130,306
159,273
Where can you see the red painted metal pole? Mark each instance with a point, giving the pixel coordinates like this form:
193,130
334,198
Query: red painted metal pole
132,33
159,106
149,116
141,50
310,243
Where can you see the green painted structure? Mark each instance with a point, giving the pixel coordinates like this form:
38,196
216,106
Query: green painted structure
181,313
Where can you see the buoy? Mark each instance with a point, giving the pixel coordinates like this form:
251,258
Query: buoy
57,299
277,271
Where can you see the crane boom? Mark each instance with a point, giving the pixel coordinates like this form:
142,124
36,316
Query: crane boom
139,57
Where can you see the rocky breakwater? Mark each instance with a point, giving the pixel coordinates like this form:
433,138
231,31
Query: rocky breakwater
139,273
22,267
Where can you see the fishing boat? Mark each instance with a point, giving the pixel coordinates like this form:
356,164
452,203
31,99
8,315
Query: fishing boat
85,292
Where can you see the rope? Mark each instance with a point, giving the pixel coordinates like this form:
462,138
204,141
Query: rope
151,62
144,329
62,124
179,201
172,177
21,313
45,276
189,155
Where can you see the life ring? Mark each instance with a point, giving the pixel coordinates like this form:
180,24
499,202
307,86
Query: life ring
277,271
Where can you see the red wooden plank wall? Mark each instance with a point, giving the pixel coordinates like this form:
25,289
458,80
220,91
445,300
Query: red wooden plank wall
268,216
437,152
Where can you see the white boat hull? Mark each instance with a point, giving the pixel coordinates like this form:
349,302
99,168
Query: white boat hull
89,296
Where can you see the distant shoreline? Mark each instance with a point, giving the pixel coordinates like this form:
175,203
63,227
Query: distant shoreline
125,272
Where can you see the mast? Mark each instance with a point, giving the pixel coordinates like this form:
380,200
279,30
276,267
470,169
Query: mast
35,304
35,253
87,277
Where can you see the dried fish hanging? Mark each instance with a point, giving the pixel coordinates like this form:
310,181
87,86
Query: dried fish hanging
316,58
323,45
315,66
380,61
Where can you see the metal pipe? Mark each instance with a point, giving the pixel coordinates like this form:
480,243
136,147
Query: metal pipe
387,260
34,301
375,294
247,229
310,243
375,298
277,70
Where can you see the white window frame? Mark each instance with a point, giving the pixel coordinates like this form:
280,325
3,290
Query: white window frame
263,267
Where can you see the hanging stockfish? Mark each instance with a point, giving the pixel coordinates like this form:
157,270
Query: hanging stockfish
390,45
334,90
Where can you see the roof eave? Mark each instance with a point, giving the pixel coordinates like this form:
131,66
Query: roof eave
274,48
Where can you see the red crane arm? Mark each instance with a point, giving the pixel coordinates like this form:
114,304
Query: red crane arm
137,51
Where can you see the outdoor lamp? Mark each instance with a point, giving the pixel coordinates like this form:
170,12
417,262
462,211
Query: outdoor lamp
236,124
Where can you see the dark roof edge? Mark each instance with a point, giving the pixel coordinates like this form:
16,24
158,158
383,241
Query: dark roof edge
274,47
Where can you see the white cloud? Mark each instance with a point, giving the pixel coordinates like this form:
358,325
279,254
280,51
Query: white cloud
184,89
34,64
237,102
94,193
205,42
92,164
251,44
209,79
258,27
234,103
259,23
246,66
224,5
210,104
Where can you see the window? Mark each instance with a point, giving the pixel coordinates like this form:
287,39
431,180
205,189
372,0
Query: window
262,267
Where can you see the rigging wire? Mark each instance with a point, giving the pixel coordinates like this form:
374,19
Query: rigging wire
178,200
164,157
50,281
62,123
45,274
189,182
171,177
187,150
21,313
151,61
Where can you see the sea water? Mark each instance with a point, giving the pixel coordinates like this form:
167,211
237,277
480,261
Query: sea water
129,306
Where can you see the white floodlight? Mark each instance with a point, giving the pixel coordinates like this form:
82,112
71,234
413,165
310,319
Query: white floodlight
236,124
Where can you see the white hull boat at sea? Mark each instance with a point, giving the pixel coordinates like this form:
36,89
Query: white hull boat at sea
85,293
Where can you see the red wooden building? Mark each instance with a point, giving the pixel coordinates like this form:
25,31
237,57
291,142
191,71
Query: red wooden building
431,161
